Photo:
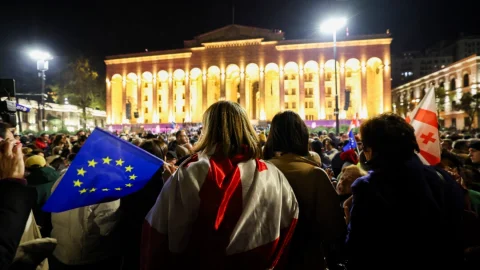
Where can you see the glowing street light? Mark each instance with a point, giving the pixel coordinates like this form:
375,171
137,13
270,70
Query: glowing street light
42,59
332,26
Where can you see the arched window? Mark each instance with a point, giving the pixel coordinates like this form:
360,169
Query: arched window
442,84
452,85
466,80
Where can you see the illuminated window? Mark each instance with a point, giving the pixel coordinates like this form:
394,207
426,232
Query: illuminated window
183,108
329,104
329,92
294,105
329,76
311,104
286,105
349,74
183,95
159,109
145,98
294,91
145,85
159,98
146,110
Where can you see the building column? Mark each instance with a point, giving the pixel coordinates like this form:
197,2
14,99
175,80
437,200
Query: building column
155,100
301,86
282,90
124,101
321,90
387,89
261,86
109,102
188,117
242,90
204,92
171,113
364,109
223,84
341,91
139,108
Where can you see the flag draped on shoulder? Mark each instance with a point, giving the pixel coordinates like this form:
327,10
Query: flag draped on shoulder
424,120
220,213
106,168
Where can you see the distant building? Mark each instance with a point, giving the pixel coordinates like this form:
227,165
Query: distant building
58,116
457,78
255,67
412,65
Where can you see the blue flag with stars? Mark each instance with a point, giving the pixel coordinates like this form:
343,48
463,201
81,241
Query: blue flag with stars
352,143
106,168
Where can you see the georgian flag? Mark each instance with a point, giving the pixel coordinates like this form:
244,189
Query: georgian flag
355,123
424,120
220,213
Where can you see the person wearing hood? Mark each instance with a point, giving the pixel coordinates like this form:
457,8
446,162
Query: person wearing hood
42,178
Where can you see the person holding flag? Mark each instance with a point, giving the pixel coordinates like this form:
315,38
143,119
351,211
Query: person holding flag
84,202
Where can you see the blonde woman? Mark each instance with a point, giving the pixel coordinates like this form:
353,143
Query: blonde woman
224,208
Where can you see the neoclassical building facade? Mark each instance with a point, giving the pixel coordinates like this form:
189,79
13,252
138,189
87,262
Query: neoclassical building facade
255,67
457,78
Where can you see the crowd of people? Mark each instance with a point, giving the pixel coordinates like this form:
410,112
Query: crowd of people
231,197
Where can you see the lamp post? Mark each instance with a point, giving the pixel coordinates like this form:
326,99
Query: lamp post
42,66
332,26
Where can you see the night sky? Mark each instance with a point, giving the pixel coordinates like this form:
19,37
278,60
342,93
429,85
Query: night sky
95,30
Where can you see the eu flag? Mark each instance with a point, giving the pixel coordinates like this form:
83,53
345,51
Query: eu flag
106,168
352,143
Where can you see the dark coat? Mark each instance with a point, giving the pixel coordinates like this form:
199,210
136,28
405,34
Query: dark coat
16,202
406,217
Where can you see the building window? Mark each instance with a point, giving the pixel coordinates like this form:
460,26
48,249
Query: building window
174,108
285,77
330,117
349,74
329,76
306,105
183,108
145,98
329,104
311,104
452,85
294,105
146,110
466,80
286,105
160,98
145,85
183,96
159,109
175,97
294,91
329,92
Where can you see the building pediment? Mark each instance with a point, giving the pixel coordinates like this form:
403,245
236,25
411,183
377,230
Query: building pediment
235,32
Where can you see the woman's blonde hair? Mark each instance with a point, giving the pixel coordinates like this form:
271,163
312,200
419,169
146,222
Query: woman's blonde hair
226,125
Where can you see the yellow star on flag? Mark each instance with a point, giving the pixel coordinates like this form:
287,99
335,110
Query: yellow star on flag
92,163
119,162
133,177
107,160
105,189
93,190
81,172
118,188
128,185
83,191
128,169
77,183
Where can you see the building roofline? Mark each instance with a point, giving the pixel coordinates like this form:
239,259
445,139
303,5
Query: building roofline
445,69
280,45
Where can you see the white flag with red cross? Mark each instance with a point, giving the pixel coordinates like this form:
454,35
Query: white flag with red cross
355,123
424,120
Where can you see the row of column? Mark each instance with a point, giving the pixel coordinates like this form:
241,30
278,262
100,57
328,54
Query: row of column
301,108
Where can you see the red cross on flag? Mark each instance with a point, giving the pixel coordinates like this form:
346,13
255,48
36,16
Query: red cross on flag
355,123
424,120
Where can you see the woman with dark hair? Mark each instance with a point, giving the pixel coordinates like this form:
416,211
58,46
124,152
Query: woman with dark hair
404,214
321,219
224,208
317,147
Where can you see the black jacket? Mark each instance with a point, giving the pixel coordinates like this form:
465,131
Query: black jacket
16,202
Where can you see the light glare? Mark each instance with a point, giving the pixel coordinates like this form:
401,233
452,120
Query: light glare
40,55
333,25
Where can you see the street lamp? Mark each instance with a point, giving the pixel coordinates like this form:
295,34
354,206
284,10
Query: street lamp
332,26
42,65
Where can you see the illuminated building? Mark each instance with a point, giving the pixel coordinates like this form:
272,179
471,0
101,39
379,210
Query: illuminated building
457,78
254,67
